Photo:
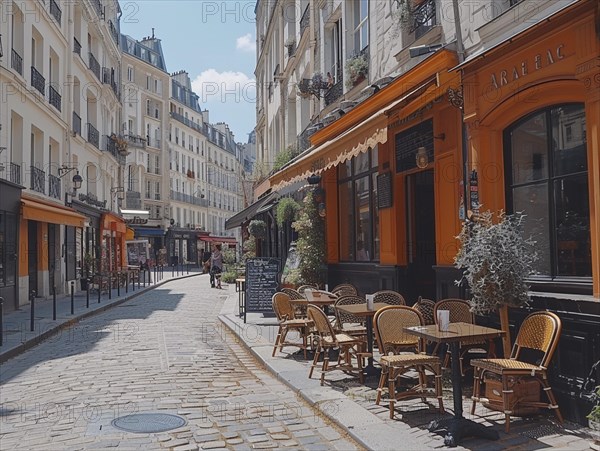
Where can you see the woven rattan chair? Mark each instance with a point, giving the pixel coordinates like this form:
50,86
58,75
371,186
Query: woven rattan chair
348,346
389,325
346,322
425,308
460,312
540,332
345,289
287,321
389,297
300,309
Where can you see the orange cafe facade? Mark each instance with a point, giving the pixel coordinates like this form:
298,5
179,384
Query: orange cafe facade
532,109
390,221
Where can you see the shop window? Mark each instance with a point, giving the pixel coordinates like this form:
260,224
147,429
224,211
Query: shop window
547,180
358,213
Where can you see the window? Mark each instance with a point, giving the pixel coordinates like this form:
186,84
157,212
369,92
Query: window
129,73
359,216
361,24
547,180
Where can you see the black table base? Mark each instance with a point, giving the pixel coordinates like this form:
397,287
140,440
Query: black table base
455,429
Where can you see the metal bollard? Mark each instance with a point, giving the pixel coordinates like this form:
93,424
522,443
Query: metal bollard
1,321
118,284
188,268
99,286
144,277
139,280
172,270
72,298
54,303
109,286
32,300
127,282
87,294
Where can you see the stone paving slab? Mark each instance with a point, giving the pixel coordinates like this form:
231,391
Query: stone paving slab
351,406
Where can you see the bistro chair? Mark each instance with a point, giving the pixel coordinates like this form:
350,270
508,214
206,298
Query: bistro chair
346,322
460,312
389,297
425,308
348,346
392,340
539,332
295,296
345,289
287,321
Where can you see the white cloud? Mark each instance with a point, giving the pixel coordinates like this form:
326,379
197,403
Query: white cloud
222,87
246,43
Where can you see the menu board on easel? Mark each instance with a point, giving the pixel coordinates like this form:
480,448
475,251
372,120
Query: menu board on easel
262,282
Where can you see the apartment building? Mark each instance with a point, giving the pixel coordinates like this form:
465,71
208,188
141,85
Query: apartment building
412,113
60,78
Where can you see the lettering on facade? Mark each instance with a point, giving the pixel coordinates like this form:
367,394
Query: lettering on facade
92,200
524,68
136,220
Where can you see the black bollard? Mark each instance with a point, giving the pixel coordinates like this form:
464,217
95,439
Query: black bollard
72,298
172,270
99,286
32,300
127,282
87,294
1,321
144,277
119,284
109,286
54,303
139,280
188,267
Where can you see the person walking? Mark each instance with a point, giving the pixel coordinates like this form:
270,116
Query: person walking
216,266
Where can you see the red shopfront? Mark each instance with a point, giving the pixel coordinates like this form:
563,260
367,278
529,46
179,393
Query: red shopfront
112,243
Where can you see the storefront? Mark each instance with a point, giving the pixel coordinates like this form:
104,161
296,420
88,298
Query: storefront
533,114
138,221
390,216
87,239
44,247
112,243
182,246
10,206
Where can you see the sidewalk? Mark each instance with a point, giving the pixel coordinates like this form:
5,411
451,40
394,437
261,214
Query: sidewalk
18,336
352,406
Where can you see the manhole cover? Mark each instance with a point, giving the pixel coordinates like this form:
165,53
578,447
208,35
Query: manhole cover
148,422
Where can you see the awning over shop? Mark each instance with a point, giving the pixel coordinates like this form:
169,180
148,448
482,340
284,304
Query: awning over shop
114,223
248,213
224,239
38,210
147,231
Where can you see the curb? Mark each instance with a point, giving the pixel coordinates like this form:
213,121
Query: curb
24,346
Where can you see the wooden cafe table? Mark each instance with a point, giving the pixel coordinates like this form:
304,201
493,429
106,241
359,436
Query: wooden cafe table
362,311
457,427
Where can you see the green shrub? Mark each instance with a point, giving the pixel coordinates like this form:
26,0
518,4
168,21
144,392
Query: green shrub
287,210
229,276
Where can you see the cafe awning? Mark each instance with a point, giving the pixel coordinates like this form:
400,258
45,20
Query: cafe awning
37,210
248,213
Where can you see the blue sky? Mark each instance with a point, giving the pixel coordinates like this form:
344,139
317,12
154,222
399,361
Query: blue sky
214,41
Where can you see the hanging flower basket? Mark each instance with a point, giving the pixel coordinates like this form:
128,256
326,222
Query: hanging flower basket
257,228
287,209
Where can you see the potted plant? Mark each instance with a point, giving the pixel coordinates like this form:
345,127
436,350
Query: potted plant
594,420
357,68
310,246
287,210
257,228
496,260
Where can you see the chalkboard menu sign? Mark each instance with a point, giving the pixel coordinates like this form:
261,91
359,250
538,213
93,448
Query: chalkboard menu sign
262,282
384,190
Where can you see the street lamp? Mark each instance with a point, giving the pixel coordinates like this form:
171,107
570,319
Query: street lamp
77,181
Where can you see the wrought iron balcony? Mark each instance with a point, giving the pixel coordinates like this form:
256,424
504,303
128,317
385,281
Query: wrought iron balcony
113,31
188,199
38,180
305,20
423,18
93,136
54,186
16,62
98,7
76,123
38,81
76,46
55,11
15,173
54,98
110,145
137,141
94,66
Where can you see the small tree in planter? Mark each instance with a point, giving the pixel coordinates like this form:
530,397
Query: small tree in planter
311,243
496,260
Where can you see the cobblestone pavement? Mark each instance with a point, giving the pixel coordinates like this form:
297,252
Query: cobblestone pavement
163,352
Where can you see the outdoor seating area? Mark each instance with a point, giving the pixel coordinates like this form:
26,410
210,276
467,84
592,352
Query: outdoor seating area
419,352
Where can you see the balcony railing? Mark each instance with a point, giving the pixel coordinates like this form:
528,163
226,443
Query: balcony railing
38,180
98,7
38,81
93,136
423,18
15,173
76,123
335,91
55,11
16,62
133,200
76,46
110,145
53,186
186,121
54,98
188,199
305,20
137,141
113,31
94,66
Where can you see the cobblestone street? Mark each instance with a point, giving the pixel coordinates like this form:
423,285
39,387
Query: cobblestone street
162,352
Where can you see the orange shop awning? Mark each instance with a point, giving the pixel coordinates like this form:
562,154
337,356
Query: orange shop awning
38,210
114,223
